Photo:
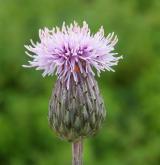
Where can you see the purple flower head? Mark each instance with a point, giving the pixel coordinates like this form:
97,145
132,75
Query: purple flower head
71,50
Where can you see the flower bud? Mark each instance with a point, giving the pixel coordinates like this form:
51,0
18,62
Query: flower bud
78,111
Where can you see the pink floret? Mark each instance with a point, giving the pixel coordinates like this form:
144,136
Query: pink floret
72,49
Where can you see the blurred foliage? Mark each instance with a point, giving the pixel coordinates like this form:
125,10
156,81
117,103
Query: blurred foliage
131,134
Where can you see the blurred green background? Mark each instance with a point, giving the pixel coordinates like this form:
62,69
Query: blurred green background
131,133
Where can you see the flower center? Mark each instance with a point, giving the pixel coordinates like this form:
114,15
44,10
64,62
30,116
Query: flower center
76,68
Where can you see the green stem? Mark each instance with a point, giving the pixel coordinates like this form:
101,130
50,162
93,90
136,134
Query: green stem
77,152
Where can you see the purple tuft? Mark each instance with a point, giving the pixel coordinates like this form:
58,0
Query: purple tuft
71,50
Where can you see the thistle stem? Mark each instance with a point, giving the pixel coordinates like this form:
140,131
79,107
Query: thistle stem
77,152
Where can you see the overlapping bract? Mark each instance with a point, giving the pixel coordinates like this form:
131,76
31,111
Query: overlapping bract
78,112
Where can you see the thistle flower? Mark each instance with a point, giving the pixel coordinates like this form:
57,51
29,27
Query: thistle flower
76,109
71,50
